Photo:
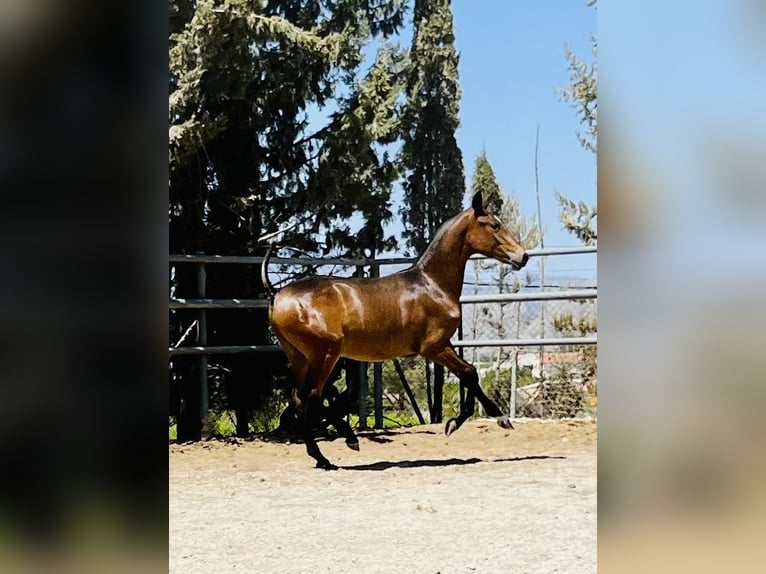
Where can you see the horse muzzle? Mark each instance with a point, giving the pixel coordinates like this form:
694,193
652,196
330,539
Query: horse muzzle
515,261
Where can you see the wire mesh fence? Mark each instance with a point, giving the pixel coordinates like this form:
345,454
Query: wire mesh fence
540,381
565,386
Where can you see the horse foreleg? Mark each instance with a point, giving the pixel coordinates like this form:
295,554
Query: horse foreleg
469,378
490,407
466,410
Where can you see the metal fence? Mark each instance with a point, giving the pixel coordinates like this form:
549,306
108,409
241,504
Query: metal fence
533,341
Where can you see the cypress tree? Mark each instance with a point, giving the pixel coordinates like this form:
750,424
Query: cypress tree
484,180
434,185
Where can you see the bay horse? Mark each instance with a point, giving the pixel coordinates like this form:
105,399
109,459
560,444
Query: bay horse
319,319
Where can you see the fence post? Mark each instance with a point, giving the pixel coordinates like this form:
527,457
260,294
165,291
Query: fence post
514,375
377,379
202,339
408,390
362,375
377,372
362,394
460,354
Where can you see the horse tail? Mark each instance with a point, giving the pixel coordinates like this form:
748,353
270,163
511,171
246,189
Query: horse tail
270,291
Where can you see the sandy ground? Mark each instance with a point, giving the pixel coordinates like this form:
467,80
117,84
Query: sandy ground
411,500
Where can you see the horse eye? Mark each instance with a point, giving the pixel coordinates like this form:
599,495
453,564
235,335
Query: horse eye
495,226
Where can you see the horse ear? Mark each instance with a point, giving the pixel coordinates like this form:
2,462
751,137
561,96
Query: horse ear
477,203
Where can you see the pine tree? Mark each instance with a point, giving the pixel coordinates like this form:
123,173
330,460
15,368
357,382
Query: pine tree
354,162
507,209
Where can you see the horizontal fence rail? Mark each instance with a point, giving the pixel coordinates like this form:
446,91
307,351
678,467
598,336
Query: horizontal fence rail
219,303
497,298
541,342
200,351
224,350
258,259
571,294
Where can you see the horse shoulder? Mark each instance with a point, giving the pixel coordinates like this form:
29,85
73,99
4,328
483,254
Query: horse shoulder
440,302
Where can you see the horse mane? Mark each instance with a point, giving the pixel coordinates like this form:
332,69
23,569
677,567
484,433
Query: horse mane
439,236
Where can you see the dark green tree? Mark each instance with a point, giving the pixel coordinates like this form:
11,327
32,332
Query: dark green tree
246,82
484,180
355,162
434,184
248,149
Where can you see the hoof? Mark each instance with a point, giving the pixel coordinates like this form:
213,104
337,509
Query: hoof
353,445
504,422
451,427
326,465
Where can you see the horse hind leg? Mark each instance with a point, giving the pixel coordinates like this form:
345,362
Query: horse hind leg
310,396
299,364
338,406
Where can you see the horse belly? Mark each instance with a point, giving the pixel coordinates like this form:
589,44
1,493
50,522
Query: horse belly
377,344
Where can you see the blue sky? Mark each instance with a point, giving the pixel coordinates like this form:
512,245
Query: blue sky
511,62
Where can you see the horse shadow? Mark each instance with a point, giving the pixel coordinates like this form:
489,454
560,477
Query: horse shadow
388,464
381,435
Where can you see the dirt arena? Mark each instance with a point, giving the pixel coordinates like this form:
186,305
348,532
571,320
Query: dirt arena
484,500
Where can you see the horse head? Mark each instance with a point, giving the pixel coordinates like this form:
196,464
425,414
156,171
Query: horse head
488,236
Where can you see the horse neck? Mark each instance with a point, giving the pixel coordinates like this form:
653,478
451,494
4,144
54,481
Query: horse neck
445,257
